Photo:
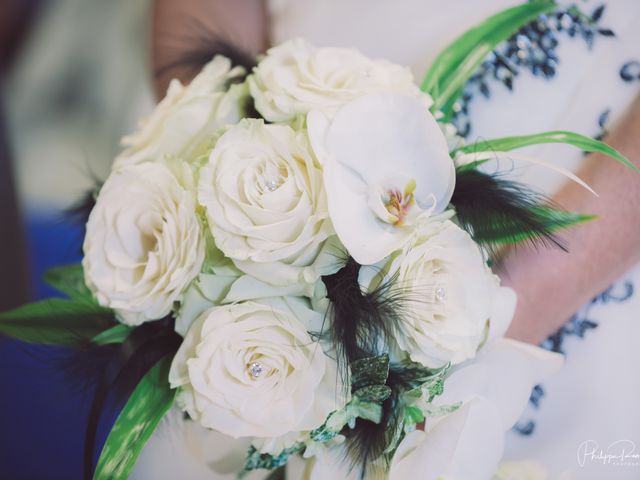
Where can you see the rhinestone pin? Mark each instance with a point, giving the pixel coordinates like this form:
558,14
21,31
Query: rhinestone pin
435,294
256,369
271,185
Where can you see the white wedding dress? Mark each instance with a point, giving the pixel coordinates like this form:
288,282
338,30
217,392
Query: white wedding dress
595,397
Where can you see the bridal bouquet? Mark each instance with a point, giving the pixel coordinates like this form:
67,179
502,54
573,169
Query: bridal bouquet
298,254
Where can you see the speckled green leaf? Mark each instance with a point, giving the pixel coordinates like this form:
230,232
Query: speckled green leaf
434,386
256,460
433,411
366,410
413,414
373,393
369,371
323,433
148,403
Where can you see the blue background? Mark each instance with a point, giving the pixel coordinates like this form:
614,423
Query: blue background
43,412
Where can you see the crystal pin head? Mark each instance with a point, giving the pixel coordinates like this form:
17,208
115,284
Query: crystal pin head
441,294
256,369
271,185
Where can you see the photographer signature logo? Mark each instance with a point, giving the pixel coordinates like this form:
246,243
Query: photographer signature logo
621,453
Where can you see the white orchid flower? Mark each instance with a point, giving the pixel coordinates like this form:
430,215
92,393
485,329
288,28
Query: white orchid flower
386,169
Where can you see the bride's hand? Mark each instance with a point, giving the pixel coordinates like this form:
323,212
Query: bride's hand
551,284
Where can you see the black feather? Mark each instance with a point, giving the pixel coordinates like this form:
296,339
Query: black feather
79,212
368,441
361,326
360,322
107,374
497,211
199,49
128,363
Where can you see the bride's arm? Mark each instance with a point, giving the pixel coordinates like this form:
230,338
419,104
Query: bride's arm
552,284
185,33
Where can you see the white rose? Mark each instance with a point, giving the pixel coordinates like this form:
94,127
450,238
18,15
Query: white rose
207,290
295,78
450,294
183,123
251,369
143,243
265,204
224,283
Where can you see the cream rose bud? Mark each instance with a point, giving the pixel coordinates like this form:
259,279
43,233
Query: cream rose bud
183,123
450,295
265,203
143,243
252,370
295,78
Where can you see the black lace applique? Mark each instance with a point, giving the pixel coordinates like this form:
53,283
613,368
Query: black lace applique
577,326
533,49
630,71
603,122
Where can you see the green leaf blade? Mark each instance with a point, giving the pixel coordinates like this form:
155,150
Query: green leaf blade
587,144
69,279
56,322
148,404
116,334
454,66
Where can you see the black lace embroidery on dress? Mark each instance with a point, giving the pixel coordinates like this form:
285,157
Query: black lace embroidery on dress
603,122
580,323
630,71
577,326
533,49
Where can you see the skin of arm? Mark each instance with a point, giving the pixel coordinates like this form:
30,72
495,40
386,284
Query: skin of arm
185,32
551,284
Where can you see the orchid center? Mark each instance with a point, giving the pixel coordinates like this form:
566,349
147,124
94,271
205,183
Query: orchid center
394,202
